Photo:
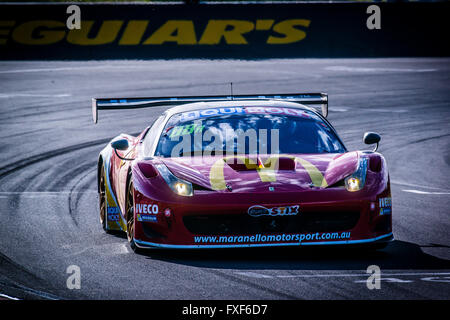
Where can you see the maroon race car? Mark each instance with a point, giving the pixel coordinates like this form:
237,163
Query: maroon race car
241,171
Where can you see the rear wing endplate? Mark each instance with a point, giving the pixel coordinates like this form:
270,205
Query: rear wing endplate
136,103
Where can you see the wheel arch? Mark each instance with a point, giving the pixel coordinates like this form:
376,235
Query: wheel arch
129,176
99,171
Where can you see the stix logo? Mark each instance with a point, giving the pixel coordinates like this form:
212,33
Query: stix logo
144,32
257,211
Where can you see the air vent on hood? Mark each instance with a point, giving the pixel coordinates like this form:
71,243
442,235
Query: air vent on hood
249,164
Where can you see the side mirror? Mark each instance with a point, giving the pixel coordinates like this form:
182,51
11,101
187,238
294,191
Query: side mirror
372,138
120,144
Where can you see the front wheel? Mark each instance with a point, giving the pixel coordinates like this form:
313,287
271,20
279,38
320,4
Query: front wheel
129,209
102,198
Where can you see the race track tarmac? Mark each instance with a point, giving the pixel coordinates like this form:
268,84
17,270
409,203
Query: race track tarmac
49,204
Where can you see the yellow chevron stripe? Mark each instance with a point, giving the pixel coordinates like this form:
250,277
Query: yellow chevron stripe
267,173
216,177
316,176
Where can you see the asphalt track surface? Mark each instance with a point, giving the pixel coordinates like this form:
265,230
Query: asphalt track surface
49,205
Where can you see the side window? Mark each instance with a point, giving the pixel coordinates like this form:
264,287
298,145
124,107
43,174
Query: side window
150,137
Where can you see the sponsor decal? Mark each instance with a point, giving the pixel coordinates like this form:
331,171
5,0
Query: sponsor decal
147,208
140,32
257,211
198,114
385,205
146,212
113,213
186,129
281,238
146,218
111,201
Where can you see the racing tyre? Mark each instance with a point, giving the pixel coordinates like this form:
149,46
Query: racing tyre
129,209
102,198
378,246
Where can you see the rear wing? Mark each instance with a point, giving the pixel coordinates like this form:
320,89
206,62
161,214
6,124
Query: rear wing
136,103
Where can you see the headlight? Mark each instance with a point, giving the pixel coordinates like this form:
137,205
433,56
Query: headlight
179,186
183,189
357,180
352,184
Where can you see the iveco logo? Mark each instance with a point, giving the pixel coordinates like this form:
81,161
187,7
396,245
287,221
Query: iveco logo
257,211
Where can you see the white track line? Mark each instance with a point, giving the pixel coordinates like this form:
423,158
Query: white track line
32,95
90,67
53,69
262,276
417,185
37,194
46,192
424,192
7,297
368,70
338,109
385,110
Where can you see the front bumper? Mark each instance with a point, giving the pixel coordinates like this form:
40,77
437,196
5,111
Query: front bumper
370,226
381,239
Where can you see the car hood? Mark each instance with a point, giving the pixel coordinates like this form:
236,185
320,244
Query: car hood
280,173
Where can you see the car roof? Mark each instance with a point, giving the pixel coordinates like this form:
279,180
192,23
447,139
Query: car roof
236,103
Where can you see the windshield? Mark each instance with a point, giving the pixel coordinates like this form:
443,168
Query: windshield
246,130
